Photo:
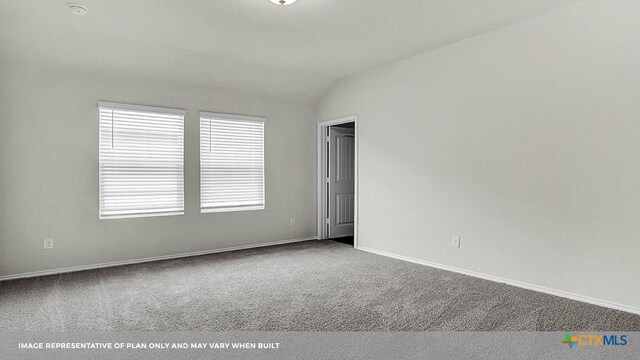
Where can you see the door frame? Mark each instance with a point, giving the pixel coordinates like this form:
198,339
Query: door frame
321,172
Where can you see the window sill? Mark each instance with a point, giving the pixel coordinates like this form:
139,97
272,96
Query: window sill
231,209
131,216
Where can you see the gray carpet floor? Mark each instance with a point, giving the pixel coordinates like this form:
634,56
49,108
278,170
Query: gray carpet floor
315,285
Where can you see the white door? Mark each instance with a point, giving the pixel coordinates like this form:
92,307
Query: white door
341,181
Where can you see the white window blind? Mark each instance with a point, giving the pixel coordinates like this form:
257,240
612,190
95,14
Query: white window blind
231,162
141,161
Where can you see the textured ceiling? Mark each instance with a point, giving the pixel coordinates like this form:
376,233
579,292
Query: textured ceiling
297,52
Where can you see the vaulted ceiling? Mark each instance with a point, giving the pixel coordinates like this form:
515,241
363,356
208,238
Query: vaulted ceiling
298,51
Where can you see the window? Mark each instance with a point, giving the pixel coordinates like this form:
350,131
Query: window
231,162
141,161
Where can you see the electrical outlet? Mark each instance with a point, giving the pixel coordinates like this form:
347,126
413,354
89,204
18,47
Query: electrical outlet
47,244
455,241
292,222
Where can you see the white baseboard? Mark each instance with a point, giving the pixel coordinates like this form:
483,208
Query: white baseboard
148,259
542,289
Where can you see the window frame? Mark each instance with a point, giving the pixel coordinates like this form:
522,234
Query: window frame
141,108
237,118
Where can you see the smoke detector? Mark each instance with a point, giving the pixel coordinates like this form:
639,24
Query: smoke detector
78,9
283,2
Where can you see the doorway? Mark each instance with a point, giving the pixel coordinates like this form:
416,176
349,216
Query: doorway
338,180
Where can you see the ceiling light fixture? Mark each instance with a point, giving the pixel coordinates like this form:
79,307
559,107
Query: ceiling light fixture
78,9
283,2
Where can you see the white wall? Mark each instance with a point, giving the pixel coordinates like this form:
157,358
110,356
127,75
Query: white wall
525,141
49,171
